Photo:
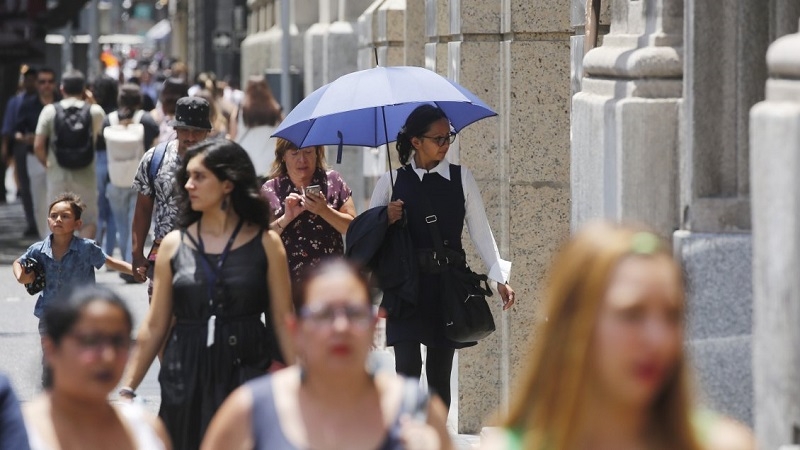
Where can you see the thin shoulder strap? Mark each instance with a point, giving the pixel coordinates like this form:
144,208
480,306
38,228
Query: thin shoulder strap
155,163
137,117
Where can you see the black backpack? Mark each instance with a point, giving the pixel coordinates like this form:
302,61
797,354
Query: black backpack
74,137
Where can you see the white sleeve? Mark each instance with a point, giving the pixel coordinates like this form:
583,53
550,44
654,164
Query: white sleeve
479,231
382,193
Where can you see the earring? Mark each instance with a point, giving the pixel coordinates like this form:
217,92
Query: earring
224,204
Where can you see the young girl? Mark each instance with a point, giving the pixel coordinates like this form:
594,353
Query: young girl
68,261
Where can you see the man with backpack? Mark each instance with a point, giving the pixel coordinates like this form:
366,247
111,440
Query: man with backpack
155,180
126,135
71,126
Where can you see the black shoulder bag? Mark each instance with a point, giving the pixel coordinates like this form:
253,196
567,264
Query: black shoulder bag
467,317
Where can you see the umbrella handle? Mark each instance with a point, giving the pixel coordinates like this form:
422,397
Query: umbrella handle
386,135
341,144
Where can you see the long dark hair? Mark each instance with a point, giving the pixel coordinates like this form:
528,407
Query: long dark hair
417,124
129,100
259,106
105,92
61,316
227,161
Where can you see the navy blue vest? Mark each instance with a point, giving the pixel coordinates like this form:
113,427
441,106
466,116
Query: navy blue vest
447,200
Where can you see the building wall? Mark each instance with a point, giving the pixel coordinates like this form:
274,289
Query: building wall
652,126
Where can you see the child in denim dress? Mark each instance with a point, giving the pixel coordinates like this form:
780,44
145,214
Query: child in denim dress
67,260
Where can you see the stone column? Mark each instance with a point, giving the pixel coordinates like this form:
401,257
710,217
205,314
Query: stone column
178,13
414,39
340,57
724,75
262,51
577,51
625,119
514,54
314,76
774,165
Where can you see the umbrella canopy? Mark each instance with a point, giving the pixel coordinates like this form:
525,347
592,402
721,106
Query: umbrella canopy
369,107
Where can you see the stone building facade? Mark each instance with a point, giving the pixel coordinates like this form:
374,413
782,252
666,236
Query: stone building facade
656,124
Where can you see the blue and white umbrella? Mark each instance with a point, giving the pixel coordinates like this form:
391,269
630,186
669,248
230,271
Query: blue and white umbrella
367,108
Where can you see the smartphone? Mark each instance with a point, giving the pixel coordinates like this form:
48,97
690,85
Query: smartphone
312,190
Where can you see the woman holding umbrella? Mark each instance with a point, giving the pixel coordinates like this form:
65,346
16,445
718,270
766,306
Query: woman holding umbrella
422,146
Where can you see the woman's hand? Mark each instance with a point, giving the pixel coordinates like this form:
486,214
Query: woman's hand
315,204
395,211
293,206
417,435
507,295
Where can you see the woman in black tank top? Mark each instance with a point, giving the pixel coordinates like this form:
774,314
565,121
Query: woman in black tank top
329,401
217,276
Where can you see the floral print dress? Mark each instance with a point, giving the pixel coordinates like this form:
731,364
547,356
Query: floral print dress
308,238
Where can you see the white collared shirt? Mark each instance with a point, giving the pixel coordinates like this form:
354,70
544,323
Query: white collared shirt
477,223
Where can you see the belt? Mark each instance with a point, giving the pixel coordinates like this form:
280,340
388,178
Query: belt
431,261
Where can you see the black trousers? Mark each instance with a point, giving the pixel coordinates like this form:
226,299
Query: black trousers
438,366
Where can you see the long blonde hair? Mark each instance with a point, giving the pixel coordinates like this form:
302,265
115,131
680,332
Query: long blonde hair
547,404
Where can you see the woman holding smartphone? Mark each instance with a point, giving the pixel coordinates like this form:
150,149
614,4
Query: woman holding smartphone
312,205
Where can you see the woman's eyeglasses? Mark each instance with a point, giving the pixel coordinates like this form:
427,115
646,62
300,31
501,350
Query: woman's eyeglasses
441,140
358,315
95,343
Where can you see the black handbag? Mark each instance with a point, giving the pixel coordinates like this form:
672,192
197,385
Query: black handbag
467,317
31,265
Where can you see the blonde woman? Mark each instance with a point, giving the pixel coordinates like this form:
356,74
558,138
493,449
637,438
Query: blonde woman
607,367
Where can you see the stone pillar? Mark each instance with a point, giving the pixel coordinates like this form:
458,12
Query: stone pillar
625,119
774,165
414,39
577,51
340,57
514,54
262,51
723,78
178,13
314,76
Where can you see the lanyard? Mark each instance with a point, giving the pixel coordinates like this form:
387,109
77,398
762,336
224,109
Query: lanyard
213,274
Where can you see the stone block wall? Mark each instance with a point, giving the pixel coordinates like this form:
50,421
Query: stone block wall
515,56
774,165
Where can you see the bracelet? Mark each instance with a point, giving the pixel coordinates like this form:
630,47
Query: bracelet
278,224
127,391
